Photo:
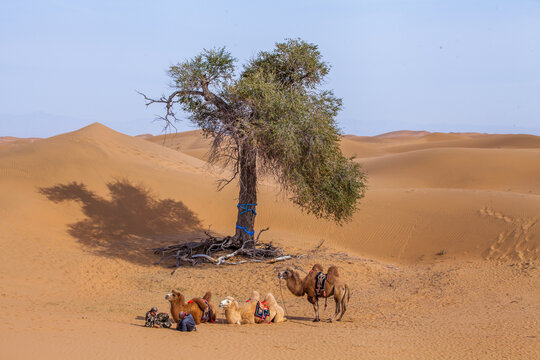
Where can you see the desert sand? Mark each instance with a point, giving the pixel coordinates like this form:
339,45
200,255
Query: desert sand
441,256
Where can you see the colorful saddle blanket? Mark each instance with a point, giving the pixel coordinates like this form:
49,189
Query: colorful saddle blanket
320,282
261,311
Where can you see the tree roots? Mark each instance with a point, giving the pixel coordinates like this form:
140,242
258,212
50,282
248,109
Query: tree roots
218,251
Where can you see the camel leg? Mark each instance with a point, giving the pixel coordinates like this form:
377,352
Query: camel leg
316,308
338,309
343,304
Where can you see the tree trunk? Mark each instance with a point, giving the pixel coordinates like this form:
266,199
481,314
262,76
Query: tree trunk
245,223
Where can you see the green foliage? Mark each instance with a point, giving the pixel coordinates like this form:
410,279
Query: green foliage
293,63
295,130
276,106
214,66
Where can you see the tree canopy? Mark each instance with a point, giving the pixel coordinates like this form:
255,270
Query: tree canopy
272,117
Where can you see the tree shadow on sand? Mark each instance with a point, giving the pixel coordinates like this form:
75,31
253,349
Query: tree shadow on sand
131,221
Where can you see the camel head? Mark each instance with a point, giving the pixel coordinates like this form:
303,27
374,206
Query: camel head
226,302
285,274
172,296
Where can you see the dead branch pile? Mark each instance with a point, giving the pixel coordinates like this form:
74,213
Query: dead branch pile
219,250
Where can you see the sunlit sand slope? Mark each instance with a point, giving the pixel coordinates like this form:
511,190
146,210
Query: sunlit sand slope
440,256
429,193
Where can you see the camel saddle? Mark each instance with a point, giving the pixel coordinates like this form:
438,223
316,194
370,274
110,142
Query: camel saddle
261,310
320,282
207,313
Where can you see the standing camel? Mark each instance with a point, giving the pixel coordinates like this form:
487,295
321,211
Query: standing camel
329,284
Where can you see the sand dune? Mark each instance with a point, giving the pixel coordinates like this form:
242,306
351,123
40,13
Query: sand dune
190,142
402,133
441,255
447,182
458,168
5,140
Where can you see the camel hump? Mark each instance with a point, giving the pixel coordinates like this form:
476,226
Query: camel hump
333,271
255,296
317,268
207,296
270,299
200,302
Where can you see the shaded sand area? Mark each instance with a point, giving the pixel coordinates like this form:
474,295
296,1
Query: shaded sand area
441,257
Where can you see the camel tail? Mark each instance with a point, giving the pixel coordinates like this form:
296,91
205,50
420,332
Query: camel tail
207,296
348,292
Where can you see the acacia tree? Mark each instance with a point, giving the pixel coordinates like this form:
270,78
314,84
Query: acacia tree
269,118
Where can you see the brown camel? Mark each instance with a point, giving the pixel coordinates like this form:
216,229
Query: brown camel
334,285
196,306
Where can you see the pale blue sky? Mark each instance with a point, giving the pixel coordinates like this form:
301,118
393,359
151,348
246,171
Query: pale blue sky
447,65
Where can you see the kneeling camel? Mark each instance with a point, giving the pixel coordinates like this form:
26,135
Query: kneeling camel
196,307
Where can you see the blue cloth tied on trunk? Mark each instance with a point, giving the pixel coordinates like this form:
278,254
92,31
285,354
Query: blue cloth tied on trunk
246,208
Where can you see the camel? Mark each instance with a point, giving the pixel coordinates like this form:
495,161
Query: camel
238,313
276,311
244,313
195,306
334,285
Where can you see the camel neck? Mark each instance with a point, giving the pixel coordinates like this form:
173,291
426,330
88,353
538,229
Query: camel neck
177,307
295,285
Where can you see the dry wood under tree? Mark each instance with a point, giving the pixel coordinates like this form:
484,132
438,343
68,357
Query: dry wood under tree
271,119
195,252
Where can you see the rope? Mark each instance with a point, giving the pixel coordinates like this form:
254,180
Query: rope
246,208
287,313
283,300
252,232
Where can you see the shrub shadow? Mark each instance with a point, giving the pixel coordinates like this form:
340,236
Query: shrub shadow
131,221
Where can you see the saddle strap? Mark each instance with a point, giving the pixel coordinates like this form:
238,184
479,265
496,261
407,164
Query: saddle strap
207,313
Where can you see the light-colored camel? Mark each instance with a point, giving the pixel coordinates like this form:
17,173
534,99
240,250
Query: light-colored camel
276,311
195,306
334,286
238,313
